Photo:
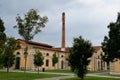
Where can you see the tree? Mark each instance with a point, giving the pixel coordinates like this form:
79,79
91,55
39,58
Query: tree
110,45
2,40
38,59
54,59
79,56
29,27
8,57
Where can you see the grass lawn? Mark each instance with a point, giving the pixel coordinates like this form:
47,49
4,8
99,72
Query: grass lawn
92,78
21,76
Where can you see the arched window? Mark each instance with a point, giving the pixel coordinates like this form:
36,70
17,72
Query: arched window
98,57
62,64
18,53
47,62
17,63
62,56
98,65
47,54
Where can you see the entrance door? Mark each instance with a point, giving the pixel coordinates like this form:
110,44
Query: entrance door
62,64
17,65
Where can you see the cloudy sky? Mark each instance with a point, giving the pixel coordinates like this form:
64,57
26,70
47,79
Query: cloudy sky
88,18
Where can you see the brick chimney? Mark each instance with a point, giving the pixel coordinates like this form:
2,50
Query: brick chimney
63,32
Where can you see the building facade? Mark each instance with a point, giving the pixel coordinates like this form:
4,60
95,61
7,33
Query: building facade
115,68
96,62
47,52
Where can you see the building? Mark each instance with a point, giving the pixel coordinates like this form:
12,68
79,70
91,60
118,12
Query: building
96,63
115,68
48,51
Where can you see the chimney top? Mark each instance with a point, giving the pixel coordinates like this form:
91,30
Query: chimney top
63,13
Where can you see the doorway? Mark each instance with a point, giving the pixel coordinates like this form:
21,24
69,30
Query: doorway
17,63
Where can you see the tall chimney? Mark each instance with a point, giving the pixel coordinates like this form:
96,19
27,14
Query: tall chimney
63,32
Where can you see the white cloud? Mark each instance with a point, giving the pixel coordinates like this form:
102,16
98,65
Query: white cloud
88,18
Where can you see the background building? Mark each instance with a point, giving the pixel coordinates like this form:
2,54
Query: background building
96,63
115,68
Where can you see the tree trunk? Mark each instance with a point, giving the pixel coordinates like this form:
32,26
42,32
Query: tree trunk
25,64
38,70
7,69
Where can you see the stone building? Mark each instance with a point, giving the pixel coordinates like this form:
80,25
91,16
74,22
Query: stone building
115,68
48,51
96,63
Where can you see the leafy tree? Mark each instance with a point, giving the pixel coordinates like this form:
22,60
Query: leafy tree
2,35
38,59
54,59
110,45
30,26
8,57
79,56
2,40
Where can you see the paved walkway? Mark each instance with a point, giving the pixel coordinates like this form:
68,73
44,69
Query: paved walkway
56,78
70,75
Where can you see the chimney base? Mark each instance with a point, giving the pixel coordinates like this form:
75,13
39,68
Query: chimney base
62,49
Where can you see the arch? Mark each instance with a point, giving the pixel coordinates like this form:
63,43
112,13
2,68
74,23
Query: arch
18,53
17,63
102,65
47,62
99,65
62,64
47,54
62,56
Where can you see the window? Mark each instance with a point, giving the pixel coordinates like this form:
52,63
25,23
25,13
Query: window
62,56
47,54
98,57
47,62
53,64
18,53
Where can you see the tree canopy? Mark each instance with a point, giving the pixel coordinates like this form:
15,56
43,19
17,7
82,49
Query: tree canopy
110,44
54,59
79,56
8,56
2,35
38,59
2,40
31,24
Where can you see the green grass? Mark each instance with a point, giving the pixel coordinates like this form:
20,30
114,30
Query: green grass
59,71
21,76
93,78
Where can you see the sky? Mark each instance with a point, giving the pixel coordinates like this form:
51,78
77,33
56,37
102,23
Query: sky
86,18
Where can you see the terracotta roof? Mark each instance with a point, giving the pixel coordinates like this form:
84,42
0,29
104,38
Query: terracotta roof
53,49
49,47
36,43
41,45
